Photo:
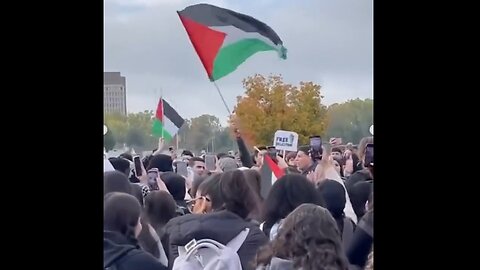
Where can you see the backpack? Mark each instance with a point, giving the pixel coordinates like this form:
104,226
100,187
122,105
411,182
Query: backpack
208,254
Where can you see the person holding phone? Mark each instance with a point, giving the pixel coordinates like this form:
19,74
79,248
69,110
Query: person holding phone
366,173
359,184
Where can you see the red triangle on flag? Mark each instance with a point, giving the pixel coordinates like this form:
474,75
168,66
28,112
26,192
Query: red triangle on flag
277,171
159,113
206,41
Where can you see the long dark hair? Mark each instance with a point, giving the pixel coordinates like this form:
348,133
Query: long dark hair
137,193
333,193
116,182
236,194
175,184
121,213
211,187
197,181
286,194
146,240
310,238
159,208
254,179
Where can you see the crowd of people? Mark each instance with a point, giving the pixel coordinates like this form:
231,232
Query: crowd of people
318,215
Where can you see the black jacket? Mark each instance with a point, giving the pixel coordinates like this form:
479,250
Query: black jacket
245,157
362,241
221,226
359,186
356,177
120,254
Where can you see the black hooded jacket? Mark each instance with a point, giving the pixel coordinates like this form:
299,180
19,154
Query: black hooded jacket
221,226
120,254
362,241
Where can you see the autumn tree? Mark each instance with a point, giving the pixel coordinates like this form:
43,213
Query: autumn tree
269,104
350,120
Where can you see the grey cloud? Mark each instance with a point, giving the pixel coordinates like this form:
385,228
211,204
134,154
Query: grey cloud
328,42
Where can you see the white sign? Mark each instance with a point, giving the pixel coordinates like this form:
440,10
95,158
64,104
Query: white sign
371,129
285,140
105,129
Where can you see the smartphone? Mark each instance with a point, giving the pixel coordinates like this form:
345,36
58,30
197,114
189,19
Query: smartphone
316,147
272,153
182,168
152,179
138,166
335,141
369,155
210,162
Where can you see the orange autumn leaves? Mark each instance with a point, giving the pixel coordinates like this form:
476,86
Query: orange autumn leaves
269,104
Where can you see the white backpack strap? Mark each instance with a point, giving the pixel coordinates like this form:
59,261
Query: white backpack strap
153,233
261,226
237,242
182,252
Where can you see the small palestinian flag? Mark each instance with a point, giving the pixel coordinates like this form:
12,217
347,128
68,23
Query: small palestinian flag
269,172
224,39
167,121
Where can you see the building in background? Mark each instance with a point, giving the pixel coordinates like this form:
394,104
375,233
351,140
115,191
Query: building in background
114,93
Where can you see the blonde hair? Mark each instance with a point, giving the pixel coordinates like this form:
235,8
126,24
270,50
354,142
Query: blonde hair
362,145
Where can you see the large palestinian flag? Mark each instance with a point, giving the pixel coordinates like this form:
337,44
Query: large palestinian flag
167,121
224,39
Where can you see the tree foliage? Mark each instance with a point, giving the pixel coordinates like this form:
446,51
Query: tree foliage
199,133
350,120
133,129
109,140
269,104
205,133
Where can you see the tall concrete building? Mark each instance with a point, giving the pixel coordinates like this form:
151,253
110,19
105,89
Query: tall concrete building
114,93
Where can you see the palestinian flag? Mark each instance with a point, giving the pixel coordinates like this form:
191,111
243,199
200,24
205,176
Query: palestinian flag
224,39
167,121
269,173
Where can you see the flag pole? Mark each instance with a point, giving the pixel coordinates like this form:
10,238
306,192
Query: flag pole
161,97
224,103
176,136
221,96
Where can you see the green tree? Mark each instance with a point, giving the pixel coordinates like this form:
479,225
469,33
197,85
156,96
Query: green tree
109,140
350,120
117,123
223,141
202,130
140,130
136,137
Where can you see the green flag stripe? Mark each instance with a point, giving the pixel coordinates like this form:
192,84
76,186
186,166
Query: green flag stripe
233,55
157,130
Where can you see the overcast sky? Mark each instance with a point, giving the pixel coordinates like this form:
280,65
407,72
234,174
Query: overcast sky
329,42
